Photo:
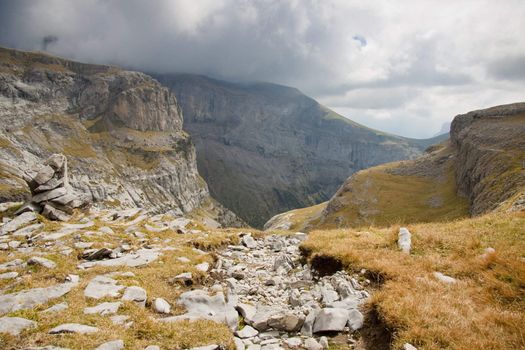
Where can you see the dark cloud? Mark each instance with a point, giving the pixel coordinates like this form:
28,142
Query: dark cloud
395,60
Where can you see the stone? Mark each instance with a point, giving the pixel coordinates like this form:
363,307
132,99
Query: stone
161,306
247,332
152,347
46,196
28,230
103,309
101,287
185,278
286,322
408,346
247,311
308,325
206,347
312,344
51,185
330,320
324,342
203,267
260,320
355,319
119,319
111,345
294,342
136,294
30,298
200,305
283,261
73,328
57,307
102,253
19,221
139,258
12,264
8,275
249,242
404,240
15,325
43,175
36,260
183,259
239,345
53,213
444,278
48,347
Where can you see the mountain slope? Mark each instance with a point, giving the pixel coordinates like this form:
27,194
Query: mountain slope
121,131
265,148
481,169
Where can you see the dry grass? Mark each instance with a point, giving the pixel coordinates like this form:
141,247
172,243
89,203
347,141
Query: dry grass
155,278
485,309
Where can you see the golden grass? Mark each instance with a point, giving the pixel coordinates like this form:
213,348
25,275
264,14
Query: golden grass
485,309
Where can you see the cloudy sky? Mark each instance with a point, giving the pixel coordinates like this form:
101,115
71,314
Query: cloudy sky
405,67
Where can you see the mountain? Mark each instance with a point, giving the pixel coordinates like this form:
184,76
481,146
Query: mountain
120,130
479,170
265,148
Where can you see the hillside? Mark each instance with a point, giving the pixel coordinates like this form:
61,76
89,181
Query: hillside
265,148
479,170
121,131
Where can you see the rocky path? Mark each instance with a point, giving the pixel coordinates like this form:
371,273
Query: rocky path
281,302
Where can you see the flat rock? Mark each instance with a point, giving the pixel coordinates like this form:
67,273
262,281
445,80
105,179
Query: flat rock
404,240
247,332
444,278
103,308
286,321
15,325
312,344
17,222
28,299
139,258
201,305
28,230
12,264
73,328
101,287
8,275
36,260
136,294
57,307
111,345
249,242
46,196
330,320
355,319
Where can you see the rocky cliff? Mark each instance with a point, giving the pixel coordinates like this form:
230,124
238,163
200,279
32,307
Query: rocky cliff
121,131
480,169
265,148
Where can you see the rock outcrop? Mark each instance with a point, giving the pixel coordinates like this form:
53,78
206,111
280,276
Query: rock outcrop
120,130
480,169
265,148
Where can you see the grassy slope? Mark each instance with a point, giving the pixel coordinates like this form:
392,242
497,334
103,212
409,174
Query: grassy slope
155,278
484,310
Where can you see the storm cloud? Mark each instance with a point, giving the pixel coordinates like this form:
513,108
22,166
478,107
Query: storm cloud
404,68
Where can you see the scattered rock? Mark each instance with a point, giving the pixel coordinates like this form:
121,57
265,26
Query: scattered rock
57,307
103,309
36,260
444,278
330,320
161,306
247,332
408,346
139,258
355,319
19,221
249,242
8,275
15,325
73,328
30,298
112,345
312,344
101,287
136,294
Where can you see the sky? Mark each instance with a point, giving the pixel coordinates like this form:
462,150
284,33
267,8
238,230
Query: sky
405,67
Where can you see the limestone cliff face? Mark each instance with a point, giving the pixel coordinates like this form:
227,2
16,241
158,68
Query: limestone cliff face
121,131
480,169
264,148
490,146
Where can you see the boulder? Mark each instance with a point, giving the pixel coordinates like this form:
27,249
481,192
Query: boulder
355,319
286,322
161,306
330,320
247,332
136,294
312,344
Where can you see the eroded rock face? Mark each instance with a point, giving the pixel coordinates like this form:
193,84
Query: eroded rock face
121,132
275,144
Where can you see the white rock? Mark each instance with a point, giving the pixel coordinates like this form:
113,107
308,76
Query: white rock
247,332
207,347
17,222
312,344
11,264
136,294
249,242
28,299
324,342
8,275
330,320
57,307
152,347
161,306
408,346
73,328
444,278
139,258
15,325
355,319
246,310
183,259
203,267
112,345
101,287
36,260
294,342
103,309
404,240
28,230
